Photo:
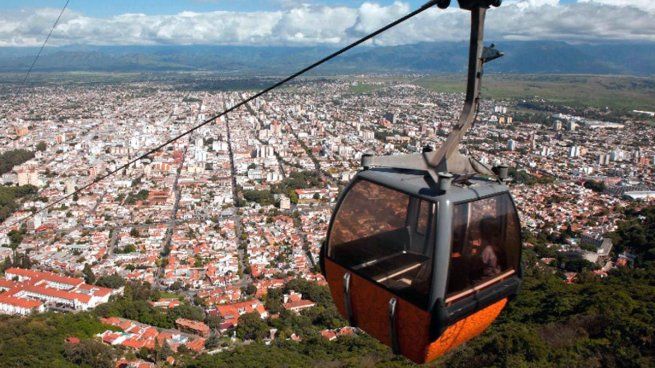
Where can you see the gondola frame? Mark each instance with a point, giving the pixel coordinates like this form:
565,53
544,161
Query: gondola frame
442,314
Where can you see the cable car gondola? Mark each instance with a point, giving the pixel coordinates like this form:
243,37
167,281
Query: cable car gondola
423,251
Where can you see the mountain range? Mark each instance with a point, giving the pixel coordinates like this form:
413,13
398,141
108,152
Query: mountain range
549,57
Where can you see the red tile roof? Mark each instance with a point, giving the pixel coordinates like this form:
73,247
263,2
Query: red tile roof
40,275
196,326
19,302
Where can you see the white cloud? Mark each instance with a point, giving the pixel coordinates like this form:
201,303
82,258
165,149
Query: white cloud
647,5
587,20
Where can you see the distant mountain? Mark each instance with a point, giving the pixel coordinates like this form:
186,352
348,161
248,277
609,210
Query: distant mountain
441,57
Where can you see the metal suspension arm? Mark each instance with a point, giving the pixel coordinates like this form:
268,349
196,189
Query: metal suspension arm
440,157
447,158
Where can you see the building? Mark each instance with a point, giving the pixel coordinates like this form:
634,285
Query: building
194,327
639,195
574,151
28,291
306,196
166,303
231,312
295,303
603,246
136,335
500,109
285,202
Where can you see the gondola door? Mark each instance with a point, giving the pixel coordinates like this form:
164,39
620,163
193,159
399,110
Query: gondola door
379,265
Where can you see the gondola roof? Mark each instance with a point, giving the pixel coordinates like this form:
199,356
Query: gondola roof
419,184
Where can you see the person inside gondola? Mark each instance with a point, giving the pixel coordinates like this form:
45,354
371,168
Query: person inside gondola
491,251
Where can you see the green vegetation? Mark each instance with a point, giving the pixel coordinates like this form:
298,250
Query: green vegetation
591,324
134,305
616,92
10,195
636,235
298,180
142,195
263,197
362,88
89,276
111,281
21,260
90,353
356,351
295,180
251,327
130,248
596,186
577,264
39,341
134,232
12,158
523,177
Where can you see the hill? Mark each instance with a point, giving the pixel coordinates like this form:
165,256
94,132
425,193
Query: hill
439,57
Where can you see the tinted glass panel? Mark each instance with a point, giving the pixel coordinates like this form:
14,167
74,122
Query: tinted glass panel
375,234
423,217
486,242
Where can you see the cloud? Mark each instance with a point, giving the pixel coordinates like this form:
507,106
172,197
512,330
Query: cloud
311,24
646,5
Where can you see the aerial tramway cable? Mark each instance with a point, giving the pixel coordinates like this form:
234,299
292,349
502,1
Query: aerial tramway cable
27,75
243,102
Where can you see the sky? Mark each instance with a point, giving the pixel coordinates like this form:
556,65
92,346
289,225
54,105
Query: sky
312,22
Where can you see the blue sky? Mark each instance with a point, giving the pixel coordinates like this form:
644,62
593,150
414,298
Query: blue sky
105,8
312,22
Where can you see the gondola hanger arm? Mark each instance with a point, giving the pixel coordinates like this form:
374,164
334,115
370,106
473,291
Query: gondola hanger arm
447,158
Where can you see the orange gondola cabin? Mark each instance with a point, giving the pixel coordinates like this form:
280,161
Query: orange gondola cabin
420,269
424,250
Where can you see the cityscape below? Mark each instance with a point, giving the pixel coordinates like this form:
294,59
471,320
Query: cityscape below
211,245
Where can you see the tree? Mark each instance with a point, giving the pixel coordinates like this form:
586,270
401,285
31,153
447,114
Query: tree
273,300
310,291
198,262
263,197
12,158
89,276
113,281
251,327
213,342
188,312
41,146
130,248
160,352
249,290
15,238
22,260
213,321
6,264
596,186
90,353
